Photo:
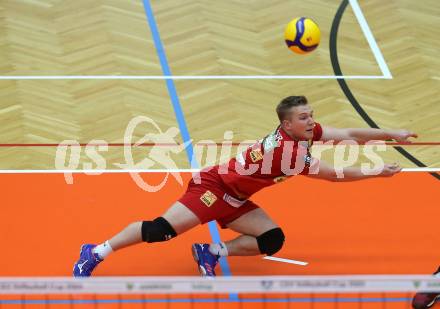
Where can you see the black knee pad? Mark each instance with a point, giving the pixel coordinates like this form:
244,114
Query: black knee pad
271,241
157,230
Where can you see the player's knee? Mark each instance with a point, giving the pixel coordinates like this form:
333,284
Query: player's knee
271,241
157,230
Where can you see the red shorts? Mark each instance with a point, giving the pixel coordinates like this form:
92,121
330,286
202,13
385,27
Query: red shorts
211,200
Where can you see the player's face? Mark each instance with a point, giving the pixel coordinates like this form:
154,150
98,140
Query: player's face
300,123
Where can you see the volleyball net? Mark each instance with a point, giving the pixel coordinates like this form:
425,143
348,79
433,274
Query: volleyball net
348,291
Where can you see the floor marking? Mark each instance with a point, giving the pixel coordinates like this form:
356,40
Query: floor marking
370,38
187,77
277,259
143,171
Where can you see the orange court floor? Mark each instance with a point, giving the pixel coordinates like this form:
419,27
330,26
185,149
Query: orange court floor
375,226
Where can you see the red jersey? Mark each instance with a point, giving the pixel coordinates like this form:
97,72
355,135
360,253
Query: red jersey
269,161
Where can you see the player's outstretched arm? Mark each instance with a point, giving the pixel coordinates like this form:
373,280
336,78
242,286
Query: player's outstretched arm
364,135
322,170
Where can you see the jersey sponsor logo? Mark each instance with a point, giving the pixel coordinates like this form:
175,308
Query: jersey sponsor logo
234,202
269,143
308,156
272,141
308,159
208,198
240,159
256,155
168,237
280,179
306,144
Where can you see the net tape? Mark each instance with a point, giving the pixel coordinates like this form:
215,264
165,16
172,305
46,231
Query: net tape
199,285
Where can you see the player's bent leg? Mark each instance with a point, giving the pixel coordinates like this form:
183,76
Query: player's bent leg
176,220
181,218
260,235
271,242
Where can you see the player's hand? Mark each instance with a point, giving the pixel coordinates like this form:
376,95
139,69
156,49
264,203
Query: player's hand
402,136
390,169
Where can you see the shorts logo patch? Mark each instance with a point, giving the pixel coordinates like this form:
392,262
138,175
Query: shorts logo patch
256,155
208,198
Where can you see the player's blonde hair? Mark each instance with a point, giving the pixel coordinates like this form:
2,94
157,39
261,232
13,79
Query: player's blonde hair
283,108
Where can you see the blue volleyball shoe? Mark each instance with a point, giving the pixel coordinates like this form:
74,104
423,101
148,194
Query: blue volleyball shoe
205,260
87,261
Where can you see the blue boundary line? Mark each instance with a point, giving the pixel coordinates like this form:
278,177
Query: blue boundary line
215,235
208,300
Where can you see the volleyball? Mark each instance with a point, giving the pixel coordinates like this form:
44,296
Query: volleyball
302,35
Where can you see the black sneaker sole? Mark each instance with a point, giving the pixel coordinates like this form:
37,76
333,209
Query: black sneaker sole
433,302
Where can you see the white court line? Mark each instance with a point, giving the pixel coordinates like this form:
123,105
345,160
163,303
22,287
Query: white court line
412,169
100,171
370,38
186,77
421,169
276,259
